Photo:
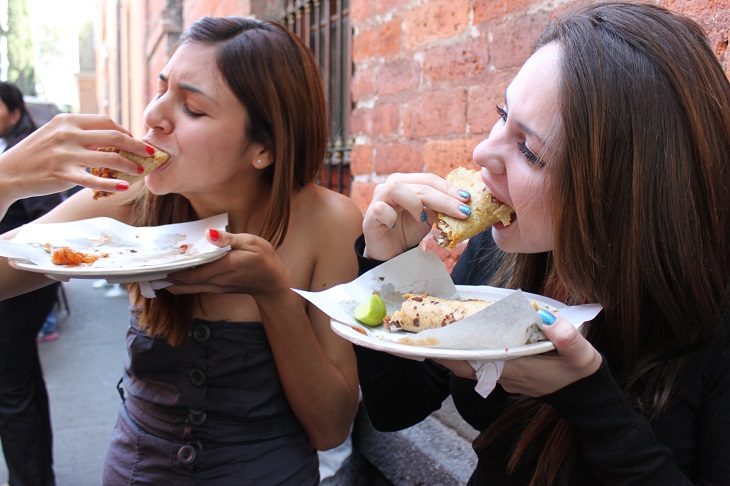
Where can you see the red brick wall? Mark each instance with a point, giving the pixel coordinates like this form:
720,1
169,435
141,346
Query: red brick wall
427,74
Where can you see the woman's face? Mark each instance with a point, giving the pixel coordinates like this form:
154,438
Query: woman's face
512,155
197,119
7,118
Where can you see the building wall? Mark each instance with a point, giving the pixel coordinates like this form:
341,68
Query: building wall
426,73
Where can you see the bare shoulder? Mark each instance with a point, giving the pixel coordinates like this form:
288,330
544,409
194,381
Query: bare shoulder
330,211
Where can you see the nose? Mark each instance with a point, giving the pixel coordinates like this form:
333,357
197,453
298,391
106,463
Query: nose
156,116
490,152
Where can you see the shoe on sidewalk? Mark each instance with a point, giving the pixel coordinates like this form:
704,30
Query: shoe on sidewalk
51,336
116,290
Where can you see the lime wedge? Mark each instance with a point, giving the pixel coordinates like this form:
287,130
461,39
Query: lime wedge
371,312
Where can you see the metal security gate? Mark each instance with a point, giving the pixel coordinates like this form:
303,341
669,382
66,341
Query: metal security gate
324,26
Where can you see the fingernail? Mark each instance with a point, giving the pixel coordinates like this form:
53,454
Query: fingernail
150,150
465,209
424,216
122,186
464,194
214,235
548,318
140,169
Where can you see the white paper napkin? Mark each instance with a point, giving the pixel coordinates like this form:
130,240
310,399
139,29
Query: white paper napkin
147,289
488,372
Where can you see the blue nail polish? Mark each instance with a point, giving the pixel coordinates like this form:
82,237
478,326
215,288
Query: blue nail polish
465,209
424,216
548,318
464,194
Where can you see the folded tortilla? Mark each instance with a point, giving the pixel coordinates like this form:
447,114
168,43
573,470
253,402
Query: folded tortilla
421,311
486,210
147,163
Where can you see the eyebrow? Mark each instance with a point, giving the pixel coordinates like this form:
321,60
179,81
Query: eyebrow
186,86
529,131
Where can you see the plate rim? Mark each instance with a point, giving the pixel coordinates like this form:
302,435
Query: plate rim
90,272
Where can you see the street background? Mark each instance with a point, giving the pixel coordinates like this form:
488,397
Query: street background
82,369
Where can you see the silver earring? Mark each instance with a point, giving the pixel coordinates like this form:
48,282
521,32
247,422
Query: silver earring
258,163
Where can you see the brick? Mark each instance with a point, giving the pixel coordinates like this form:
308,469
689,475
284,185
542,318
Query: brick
362,85
361,121
435,20
362,194
385,120
482,99
359,11
361,159
436,113
398,157
513,40
381,7
465,59
397,76
441,156
493,9
382,40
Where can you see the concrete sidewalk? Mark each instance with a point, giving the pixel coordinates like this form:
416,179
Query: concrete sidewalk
81,370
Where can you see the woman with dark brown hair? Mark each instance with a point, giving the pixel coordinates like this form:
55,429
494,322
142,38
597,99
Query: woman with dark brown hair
612,147
231,378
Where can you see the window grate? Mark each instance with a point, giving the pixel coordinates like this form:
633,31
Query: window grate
324,26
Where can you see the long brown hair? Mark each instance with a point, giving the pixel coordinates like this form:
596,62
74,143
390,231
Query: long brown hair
641,193
276,79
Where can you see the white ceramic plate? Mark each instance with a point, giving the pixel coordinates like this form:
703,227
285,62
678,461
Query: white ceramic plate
380,339
124,274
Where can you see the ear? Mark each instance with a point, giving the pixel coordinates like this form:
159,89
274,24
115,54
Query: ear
262,159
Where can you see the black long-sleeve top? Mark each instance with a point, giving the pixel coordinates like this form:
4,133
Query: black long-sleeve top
688,444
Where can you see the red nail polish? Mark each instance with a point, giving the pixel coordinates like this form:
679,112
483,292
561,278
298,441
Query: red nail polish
140,169
122,186
150,150
214,235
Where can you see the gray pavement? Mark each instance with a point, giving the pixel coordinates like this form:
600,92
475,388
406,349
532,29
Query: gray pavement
81,370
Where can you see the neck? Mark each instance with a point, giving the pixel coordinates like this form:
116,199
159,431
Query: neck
245,204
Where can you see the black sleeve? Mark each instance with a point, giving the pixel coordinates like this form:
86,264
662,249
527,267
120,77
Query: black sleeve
397,392
37,206
619,444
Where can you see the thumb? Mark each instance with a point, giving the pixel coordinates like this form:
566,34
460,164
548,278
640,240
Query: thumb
218,237
568,341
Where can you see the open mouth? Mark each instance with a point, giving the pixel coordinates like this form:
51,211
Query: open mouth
501,211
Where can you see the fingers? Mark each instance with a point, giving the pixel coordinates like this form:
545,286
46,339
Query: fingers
95,131
570,343
219,271
413,192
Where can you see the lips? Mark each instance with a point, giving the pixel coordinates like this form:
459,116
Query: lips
498,199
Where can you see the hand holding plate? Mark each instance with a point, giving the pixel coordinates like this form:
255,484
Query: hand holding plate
574,358
251,267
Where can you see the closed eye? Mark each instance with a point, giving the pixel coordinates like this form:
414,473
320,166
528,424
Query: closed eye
531,157
190,113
